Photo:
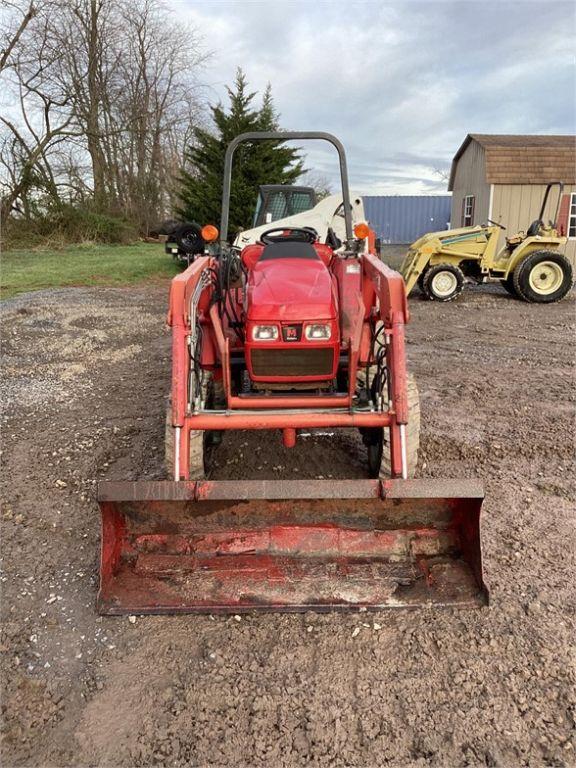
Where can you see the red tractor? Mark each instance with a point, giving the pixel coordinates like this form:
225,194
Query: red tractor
288,334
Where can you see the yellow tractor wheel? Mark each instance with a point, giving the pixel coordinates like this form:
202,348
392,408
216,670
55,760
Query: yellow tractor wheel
543,277
443,282
420,281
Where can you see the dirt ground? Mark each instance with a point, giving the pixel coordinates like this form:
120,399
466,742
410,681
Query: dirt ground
85,376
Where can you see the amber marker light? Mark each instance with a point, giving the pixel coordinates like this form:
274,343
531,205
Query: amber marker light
209,233
362,230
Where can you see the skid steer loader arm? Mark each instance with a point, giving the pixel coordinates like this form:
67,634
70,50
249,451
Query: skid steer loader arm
289,545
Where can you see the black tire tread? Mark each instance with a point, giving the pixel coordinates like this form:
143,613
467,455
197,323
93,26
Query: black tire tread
412,433
181,232
197,448
412,428
508,284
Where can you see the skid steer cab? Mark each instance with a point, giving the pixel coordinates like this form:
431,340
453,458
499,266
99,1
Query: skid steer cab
530,265
290,333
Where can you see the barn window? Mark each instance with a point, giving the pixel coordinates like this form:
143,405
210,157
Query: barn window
572,216
468,211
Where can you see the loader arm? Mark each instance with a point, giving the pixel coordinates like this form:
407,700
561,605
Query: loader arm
325,216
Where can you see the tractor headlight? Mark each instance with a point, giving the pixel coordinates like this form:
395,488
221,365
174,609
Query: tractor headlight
265,332
318,332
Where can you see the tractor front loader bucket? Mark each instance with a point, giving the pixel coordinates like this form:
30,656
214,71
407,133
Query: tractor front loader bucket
235,546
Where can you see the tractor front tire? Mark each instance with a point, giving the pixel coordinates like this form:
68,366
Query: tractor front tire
201,443
412,433
377,441
197,468
443,282
543,277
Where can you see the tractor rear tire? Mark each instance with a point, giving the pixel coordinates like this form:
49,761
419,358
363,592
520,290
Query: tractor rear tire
420,281
543,277
508,284
378,446
443,282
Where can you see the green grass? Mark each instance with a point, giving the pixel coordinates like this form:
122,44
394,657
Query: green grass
31,270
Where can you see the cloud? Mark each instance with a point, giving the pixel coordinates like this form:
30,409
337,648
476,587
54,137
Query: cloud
400,83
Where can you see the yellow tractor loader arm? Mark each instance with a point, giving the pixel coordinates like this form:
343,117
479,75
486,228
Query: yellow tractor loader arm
449,246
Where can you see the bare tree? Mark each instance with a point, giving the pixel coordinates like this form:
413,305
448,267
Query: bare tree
132,76
113,81
13,34
319,182
155,103
442,173
41,121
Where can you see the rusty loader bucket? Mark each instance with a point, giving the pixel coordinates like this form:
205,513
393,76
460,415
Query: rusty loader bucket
233,546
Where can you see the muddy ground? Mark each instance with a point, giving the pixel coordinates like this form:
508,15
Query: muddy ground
85,376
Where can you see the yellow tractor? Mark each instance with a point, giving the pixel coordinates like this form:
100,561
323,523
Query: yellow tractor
529,265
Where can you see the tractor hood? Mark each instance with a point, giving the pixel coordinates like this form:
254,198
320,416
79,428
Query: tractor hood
291,289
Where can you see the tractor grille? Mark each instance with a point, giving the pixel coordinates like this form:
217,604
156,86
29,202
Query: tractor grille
292,362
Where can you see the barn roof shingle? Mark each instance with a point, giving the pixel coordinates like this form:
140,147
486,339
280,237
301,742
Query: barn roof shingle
517,159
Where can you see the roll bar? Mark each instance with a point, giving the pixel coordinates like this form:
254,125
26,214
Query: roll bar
282,136
560,185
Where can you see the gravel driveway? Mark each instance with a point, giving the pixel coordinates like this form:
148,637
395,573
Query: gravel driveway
85,376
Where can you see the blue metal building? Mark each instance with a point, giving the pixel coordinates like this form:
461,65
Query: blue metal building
399,219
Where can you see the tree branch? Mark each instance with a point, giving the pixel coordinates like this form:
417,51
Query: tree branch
28,16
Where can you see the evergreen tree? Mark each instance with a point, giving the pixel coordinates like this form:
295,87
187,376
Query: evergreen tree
263,162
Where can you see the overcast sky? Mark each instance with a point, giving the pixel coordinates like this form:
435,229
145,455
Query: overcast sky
400,83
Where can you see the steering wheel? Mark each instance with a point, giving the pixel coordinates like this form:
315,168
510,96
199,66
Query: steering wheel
289,234
496,223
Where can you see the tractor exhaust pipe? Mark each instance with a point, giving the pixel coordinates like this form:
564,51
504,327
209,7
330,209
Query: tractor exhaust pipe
289,545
